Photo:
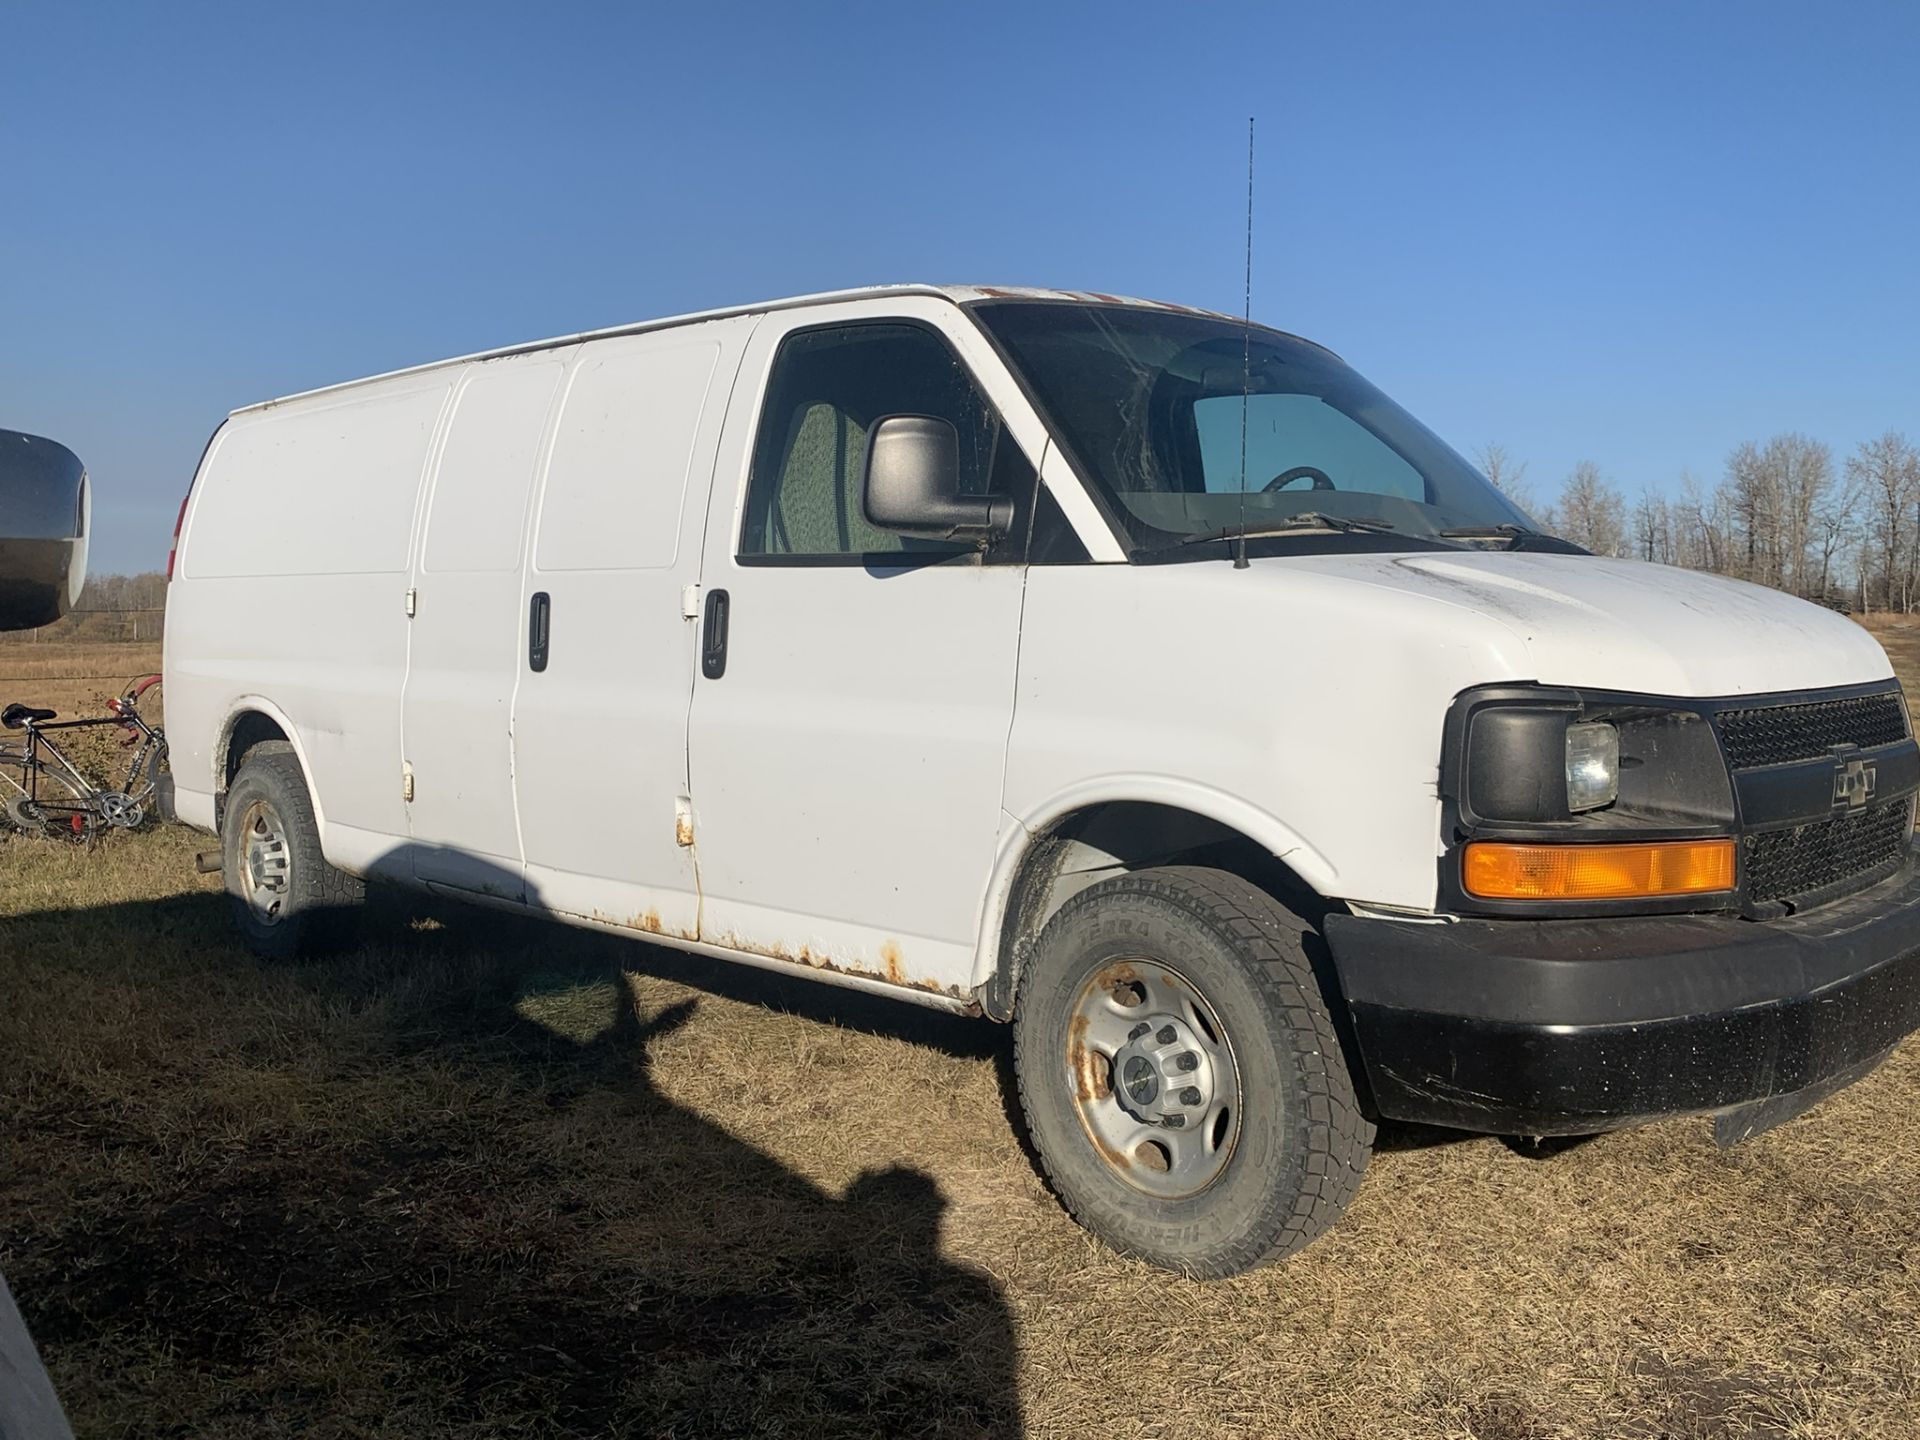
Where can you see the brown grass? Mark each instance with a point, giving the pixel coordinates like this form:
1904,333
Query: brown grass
488,1177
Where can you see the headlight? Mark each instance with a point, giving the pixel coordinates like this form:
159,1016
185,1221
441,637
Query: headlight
1593,765
1594,762
1554,800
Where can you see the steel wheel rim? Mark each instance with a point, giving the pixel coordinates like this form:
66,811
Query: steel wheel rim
264,862
1153,1078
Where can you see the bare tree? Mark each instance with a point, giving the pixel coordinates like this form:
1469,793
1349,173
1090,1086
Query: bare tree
1591,513
1800,474
1835,523
1653,538
1701,527
1753,493
1887,472
1509,476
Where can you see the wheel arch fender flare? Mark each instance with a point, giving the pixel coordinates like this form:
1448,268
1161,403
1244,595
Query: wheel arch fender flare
1023,838
239,709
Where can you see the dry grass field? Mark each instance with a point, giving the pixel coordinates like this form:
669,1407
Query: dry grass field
481,1177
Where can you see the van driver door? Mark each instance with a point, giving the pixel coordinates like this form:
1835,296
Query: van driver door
850,717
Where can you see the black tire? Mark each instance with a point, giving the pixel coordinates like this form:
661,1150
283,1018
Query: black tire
1295,1155
287,900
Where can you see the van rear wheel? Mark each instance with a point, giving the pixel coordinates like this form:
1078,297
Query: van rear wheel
1180,1075
287,899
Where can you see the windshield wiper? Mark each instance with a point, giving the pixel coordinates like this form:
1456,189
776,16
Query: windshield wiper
1518,537
1305,520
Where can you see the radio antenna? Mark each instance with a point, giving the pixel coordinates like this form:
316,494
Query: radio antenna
1246,360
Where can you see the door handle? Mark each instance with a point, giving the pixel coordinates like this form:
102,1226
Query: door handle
713,635
539,627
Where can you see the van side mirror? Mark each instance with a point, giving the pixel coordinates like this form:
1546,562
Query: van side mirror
912,484
43,530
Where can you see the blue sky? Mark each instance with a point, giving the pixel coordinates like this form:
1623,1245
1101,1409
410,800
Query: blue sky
1636,234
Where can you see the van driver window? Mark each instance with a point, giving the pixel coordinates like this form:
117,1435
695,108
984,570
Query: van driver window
829,387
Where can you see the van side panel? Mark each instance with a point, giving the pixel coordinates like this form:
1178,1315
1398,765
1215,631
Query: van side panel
323,490
291,587
600,734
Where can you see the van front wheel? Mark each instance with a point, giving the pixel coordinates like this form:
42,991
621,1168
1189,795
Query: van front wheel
1180,1076
287,899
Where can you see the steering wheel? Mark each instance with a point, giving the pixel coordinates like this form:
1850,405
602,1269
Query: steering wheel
1321,480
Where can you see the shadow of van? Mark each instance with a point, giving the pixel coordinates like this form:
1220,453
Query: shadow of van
488,1210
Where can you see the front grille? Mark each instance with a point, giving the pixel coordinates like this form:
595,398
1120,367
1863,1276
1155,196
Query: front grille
1847,849
1777,734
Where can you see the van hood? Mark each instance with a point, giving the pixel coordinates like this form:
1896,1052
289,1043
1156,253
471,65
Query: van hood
1626,625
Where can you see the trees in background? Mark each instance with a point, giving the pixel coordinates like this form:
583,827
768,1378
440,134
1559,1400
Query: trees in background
1885,473
1783,514
1591,513
1653,530
1509,476
125,592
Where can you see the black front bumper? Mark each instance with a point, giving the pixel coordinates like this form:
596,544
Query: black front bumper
1565,1027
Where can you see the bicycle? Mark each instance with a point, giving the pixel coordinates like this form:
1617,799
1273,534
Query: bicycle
45,793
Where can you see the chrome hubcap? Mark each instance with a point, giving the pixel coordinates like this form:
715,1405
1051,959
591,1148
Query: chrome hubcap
1153,1078
263,862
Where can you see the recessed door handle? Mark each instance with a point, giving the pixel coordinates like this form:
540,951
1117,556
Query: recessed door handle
713,635
539,630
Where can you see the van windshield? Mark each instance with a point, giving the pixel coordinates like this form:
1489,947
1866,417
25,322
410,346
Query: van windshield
1152,406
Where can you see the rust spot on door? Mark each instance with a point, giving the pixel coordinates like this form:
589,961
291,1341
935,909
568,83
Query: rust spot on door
647,923
893,963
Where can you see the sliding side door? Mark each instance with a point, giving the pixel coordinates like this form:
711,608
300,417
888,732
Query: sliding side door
605,650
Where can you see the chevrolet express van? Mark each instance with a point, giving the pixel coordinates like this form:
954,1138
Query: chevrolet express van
1146,680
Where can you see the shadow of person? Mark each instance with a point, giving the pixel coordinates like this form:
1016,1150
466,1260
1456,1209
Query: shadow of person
769,1306
517,1230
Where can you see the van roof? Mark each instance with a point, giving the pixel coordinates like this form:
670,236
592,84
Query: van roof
959,294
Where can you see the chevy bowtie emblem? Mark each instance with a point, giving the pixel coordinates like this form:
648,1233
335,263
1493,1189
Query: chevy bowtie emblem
1853,782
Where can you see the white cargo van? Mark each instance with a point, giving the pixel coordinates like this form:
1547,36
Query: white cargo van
1107,667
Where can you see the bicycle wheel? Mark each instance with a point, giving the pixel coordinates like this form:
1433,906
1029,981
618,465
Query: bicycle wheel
62,811
13,769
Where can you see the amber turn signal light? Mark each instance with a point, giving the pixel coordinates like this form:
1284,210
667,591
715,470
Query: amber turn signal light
1495,870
